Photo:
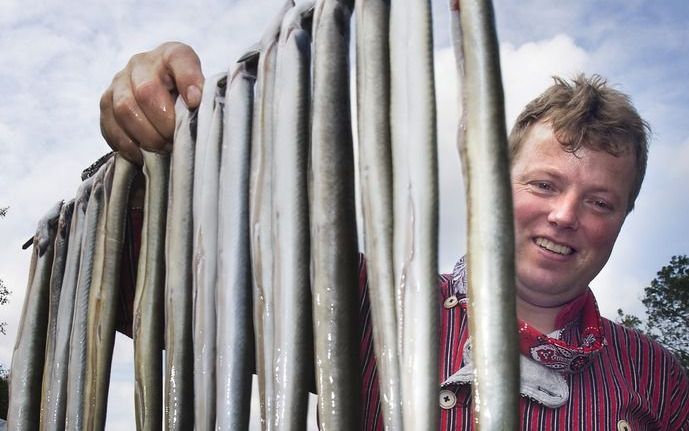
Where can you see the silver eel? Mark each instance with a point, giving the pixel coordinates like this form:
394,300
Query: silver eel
179,372
29,349
415,192
89,261
235,346
104,292
375,173
333,222
56,402
205,239
492,309
260,201
148,319
56,277
293,342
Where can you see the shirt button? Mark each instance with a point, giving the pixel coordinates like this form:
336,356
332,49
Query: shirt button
623,425
448,399
450,302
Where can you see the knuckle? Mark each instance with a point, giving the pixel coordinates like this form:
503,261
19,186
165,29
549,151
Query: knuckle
119,76
124,106
127,148
105,132
145,90
105,101
110,136
166,46
174,47
136,59
179,51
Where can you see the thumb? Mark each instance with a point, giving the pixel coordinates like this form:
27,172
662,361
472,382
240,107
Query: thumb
185,68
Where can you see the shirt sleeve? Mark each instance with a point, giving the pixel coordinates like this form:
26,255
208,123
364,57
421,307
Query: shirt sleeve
678,409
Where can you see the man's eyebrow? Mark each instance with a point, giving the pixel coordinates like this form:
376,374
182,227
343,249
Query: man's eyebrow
554,174
541,170
599,189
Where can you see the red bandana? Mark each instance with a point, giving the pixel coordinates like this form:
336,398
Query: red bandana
551,352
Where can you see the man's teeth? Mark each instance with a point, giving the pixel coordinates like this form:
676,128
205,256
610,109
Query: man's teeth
555,248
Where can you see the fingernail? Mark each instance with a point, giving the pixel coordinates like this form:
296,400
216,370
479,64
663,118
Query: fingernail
193,96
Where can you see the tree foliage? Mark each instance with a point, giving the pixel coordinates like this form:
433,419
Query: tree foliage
4,395
628,320
4,298
667,309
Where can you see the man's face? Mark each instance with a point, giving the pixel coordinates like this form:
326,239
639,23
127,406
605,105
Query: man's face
568,211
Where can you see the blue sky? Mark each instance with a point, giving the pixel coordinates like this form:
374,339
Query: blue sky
56,60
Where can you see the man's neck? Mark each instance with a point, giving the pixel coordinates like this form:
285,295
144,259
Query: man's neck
541,318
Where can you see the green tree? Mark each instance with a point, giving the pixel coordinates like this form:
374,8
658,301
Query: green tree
628,320
4,393
4,298
667,309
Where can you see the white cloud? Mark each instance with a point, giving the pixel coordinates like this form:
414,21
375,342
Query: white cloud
615,288
120,414
527,69
672,161
452,241
652,233
526,72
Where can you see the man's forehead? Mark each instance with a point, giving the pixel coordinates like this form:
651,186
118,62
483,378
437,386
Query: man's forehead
548,138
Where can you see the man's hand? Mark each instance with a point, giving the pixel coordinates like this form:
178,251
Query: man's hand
138,108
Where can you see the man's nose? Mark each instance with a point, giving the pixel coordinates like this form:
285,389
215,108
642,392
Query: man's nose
565,211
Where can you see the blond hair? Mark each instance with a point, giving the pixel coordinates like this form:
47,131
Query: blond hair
588,113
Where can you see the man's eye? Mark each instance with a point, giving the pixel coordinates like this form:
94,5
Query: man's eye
542,185
600,204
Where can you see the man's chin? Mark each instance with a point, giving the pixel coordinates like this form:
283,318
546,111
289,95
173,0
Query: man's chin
546,291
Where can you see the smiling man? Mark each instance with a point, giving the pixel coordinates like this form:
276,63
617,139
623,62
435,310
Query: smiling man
578,158
579,155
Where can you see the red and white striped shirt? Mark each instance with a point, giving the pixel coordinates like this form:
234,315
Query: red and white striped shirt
632,383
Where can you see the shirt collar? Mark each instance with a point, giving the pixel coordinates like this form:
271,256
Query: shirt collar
581,315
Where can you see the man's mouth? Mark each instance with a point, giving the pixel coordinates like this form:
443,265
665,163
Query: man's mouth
554,247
